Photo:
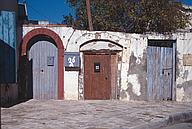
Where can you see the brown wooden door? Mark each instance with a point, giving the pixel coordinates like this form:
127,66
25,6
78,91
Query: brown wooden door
97,79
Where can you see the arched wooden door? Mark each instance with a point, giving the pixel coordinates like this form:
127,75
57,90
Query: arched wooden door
43,56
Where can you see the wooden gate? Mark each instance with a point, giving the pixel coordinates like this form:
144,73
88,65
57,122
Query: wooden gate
161,70
43,57
97,76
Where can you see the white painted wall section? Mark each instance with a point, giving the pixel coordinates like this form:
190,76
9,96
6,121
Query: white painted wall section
71,85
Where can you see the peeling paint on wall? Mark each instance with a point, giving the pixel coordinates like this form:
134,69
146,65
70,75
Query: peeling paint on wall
180,94
136,87
183,69
184,91
140,70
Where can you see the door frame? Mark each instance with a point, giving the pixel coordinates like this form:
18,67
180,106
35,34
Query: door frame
113,47
103,52
59,44
166,43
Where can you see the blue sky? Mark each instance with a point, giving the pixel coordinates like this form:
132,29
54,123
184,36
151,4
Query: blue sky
188,2
53,10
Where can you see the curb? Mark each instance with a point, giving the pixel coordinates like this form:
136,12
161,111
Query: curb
170,120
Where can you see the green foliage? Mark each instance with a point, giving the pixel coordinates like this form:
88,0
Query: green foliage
135,16
68,20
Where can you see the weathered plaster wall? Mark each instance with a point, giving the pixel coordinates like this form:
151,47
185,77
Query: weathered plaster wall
183,72
133,71
132,61
71,86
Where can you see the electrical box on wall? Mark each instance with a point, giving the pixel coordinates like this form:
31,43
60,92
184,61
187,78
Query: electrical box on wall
72,61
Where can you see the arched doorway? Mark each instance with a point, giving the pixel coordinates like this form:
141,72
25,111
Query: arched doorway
45,47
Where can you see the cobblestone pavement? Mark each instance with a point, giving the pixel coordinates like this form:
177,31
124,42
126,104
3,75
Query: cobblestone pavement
55,114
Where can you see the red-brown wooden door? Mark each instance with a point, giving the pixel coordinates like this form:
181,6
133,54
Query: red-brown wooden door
97,79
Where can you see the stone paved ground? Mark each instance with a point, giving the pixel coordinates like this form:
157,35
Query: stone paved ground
180,126
55,114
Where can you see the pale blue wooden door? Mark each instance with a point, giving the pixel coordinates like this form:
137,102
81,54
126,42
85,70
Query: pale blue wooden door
166,73
43,56
159,73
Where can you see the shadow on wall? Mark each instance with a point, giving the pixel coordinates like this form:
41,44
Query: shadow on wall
9,88
30,79
13,93
25,79
7,63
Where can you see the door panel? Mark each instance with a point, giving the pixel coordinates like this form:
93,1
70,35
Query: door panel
97,80
114,63
159,72
44,74
153,73
167,72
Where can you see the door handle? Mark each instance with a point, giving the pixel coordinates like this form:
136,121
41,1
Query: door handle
106,78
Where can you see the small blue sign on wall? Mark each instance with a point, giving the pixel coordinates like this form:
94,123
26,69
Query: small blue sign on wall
72,59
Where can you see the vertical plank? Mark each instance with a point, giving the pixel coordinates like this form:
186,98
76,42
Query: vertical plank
106,76
170,72
51,71
153,72
149,73
167,69
38,65
113,76
157,73
42,70
56,72
169,64
162,75
173,75
87,87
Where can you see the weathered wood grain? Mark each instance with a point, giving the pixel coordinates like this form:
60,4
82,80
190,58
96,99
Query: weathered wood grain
160,73
44,76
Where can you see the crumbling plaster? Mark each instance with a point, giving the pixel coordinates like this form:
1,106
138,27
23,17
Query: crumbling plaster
184,73
132,65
